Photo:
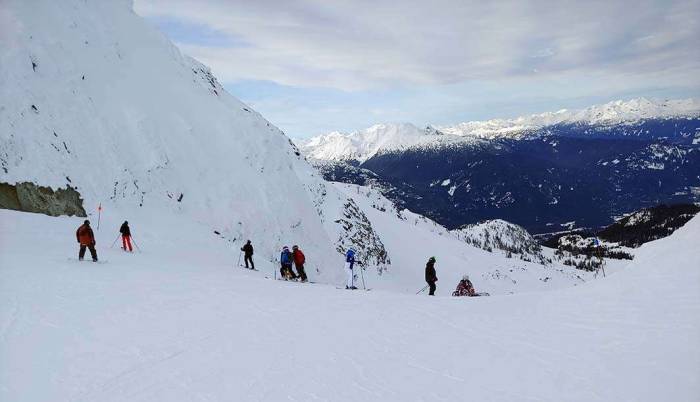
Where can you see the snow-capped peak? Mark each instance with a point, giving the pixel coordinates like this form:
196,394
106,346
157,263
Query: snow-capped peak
615,112
363,144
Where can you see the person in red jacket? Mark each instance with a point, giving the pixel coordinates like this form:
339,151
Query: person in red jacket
465,288
86,238
299,260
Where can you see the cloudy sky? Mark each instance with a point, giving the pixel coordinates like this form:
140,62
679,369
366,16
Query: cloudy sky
314,66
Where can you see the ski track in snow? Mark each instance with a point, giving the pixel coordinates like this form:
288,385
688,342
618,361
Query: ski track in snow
153,327
179,322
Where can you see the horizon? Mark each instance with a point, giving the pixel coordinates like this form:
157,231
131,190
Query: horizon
509,118
313,68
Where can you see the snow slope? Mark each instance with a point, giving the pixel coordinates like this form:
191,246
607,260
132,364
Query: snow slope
363,144
93,97
411,239
179,324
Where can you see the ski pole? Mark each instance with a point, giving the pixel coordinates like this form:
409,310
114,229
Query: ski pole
239,258
137,246
114,242
424,287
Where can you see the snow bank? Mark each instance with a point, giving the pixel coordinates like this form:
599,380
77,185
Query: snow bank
94,98
179,323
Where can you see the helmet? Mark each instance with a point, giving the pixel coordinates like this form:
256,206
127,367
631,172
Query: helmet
294,247
87,222
432,259
465,277
285,248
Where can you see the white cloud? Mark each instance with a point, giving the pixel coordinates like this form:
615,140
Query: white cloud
355,45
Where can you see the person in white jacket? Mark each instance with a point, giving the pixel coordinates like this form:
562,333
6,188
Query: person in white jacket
349,265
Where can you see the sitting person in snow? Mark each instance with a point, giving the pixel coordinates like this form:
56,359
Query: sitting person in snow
465,288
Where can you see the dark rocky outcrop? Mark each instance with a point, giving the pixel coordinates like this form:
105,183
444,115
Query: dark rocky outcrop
29,197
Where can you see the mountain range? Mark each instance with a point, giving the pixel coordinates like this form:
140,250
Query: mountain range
120,125
546,172
103,118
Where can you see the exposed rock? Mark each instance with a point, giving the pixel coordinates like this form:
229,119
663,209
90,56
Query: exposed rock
29,197
497,234
357,232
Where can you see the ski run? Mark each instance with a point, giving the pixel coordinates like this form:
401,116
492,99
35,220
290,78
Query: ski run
179,322
96,101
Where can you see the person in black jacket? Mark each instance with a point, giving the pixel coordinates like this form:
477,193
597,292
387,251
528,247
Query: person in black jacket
431,275
247,250
126,236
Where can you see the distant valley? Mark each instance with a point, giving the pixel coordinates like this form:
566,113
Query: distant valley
578,172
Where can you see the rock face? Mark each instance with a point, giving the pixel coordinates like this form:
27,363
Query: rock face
499,235
357,232
29,197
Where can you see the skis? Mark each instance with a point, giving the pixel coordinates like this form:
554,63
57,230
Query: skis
286,280
88,260
249,269
366,290
474,295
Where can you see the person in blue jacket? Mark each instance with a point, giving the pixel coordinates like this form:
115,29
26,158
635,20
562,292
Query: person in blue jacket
349,265
286,260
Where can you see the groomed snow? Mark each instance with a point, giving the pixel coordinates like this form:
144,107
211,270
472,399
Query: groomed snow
179,323
123,116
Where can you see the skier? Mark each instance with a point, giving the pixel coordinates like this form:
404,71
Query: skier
430,275
349,264
247,250
126,236
286,262
464,288
299,260
86,238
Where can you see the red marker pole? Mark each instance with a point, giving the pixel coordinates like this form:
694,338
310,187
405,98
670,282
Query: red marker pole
99,215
